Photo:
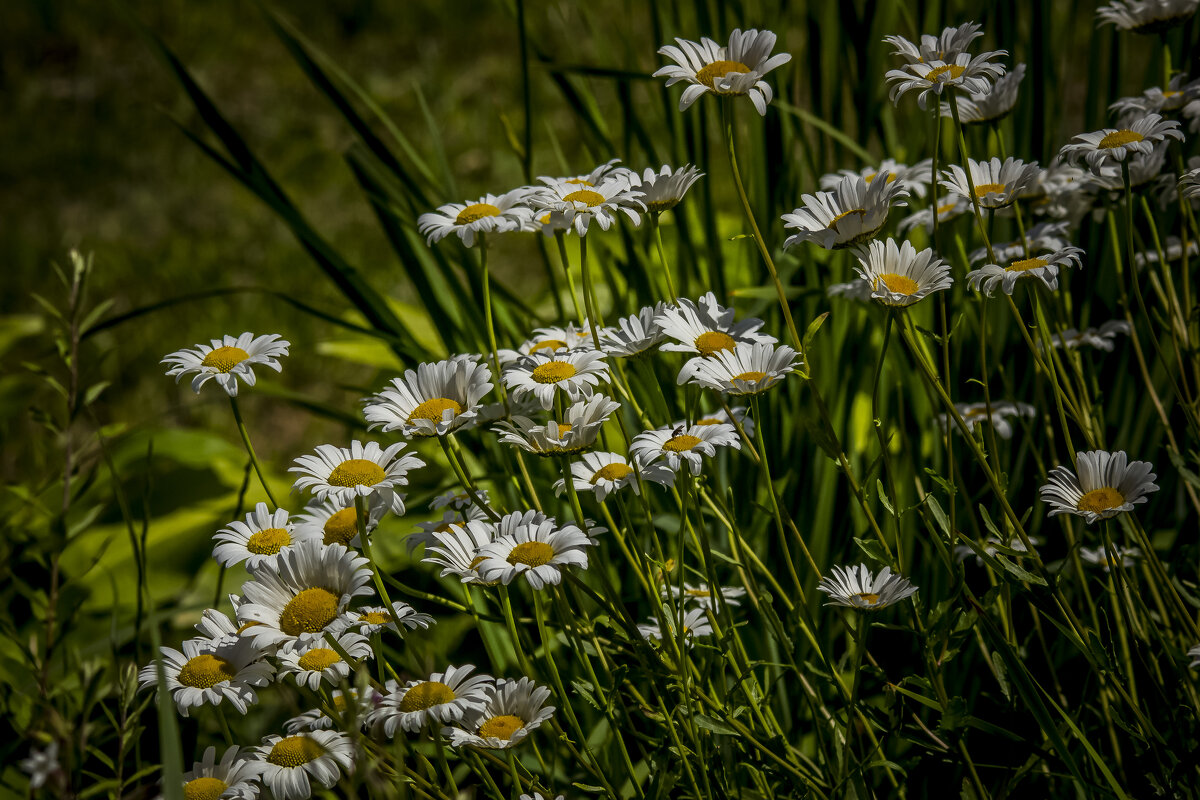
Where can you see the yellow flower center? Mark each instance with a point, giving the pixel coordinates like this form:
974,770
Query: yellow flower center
501,727
611,472
426,695
1119,139
752,376
708,421
719,69
710,342
308,612
475,212
375,618
341,527
833,223
868,598
553,372
206,671
318,659
946,209
1100,500
898,284
356,472
295,751
224,359
580,182
531,554
549,344
681,443
433,409
983,189
1025,264
564,428
268,541
944,73
204,789
586,196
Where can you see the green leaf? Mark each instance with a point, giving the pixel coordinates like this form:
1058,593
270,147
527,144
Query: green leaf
873,549
714,725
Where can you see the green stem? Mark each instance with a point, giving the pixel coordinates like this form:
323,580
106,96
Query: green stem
241,426
360,517
560,240
662,257
487,315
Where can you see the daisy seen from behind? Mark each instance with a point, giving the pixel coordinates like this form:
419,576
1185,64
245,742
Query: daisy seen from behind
1146,16
663,190
976,108
1108,484
227,359
899,275
290,765
735,69
857,588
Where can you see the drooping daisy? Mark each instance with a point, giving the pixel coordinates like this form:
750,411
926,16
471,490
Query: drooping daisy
703,597
706,327
634,335
315,661
948,207
663,190
857,588
720,417
576,373
342,474
432,400
695,624
369,620
336,522
231,777
1118,144
732,70
289,765
444,698
851,213
1101,557
260,538
488,214
1147,16
577,431
1108,484
900,276
747,369
683,446
211,673
962,73
997,183
570,205
1100,338
302,593
945,47
514,710
228,359
1044,268
1003,411
995,104
1143,168
605,473
1189,184
537,551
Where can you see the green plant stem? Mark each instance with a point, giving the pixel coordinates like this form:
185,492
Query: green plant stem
662,256
962,149
560,240
878,424
450,448
360,517
241,426
589,293
487,316
860,647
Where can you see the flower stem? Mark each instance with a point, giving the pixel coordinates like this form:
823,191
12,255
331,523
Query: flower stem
241,426
360,516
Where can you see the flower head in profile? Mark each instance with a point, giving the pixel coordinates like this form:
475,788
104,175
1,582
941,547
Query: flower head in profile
703,597
932,78
634,335
576,432
232,776
1180,90
1147,16
1189,184
443,698
433,400
1108,484
1100,338
290,765
1043,268
515,709
945,47
227,359
684,446
994,104
605,473
1102,556
344,473
1002,412
849,214
736,69
211,673
399,619
573,205
857,588
997,183
695,624
746,369
488,214
663,190
1104,147
900,276
1043,237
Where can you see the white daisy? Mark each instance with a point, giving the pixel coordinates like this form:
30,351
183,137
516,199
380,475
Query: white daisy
336,522
227,359
1189,184
538,796
488,214
232,777
663,190
1044,268
302,593
851,213
1101,338
459,501
1172,249
456,550
1147,16
260,538
997,183
577,431
551,340
289,765
747,369
1063,193
216,626
1156,100
1143,168
900,276
682,446
572,206
342,474
576,373
450,517
211,673
1101,557
609,170
914,179
1041,237
719,417
370,620
634,335
990,546
605,473
945,47
432,400
537,550
1118,144
317,720
732,70
948,207
1108,484
974,414
856,587
706,327
695,624
858,290
702,597
445,697
991,105
514,710
314,661
41,765
962,73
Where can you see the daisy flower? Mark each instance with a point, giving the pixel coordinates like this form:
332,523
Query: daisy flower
315,661
459,501
706,327
576,373
1172,249
232,777
1108,484
317,720
856,289
577,431
606,171
216,626
1100,556
260,538
370,620
432,400
445,697
1146,16
450,517
1105,146
1063,193
552,340
974,414
914,179
991,105
857,588
513,711
1041,237
538,551
1194,654
342,474
683,446
456,550
1155,99
1143,168
289,765
747,369
732,70
849,214
962,72
572,206
1189,184
720,417
302,593
336,522
1100,338
663,190
900,276
227,359
211,673
948,207
997,184
695,623
605,473
702,597
990,546
488,214
1044,268
634,335
947,46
